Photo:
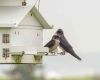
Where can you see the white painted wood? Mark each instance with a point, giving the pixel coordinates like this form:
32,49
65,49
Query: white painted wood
12,15
25,30
22,39
26,37
11,2
16,2
42,49
28,49
30,20
25,59
30,59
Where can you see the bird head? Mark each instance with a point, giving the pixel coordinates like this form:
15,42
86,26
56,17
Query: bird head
59,32
55,37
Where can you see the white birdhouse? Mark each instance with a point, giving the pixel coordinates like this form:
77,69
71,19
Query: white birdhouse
21,33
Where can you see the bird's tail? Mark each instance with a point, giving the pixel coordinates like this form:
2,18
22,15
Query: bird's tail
74,54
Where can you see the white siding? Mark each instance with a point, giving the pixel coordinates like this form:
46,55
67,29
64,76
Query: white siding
26,37
22,37
30,20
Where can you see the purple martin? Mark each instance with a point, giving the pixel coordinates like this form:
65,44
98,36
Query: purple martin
53,43
65,45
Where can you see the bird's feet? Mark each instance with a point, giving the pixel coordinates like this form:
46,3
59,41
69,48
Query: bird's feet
61,53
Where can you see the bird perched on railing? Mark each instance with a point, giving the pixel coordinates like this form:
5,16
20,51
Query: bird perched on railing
65,45
53,44
59,40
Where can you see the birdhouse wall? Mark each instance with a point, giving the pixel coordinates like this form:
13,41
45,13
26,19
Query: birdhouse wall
21,39
26,37
28,34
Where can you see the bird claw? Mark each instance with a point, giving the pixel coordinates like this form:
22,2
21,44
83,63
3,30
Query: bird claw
61,53
53,53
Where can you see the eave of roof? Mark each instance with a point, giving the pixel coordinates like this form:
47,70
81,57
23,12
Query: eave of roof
40,18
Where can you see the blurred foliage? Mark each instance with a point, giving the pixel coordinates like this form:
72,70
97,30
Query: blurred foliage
75,78
84,78
28,72
25,72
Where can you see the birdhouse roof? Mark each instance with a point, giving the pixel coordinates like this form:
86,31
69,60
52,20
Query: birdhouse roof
11,16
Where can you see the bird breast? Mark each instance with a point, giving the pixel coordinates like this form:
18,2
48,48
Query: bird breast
55,46
57,42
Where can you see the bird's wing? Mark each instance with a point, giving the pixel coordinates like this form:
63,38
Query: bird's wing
67,47
64,43
50,43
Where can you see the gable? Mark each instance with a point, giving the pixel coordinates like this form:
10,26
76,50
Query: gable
11,16
30,20
40,18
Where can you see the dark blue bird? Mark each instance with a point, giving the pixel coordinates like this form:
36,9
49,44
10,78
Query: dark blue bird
65,45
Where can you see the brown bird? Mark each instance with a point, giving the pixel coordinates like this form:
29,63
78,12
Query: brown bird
53,43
